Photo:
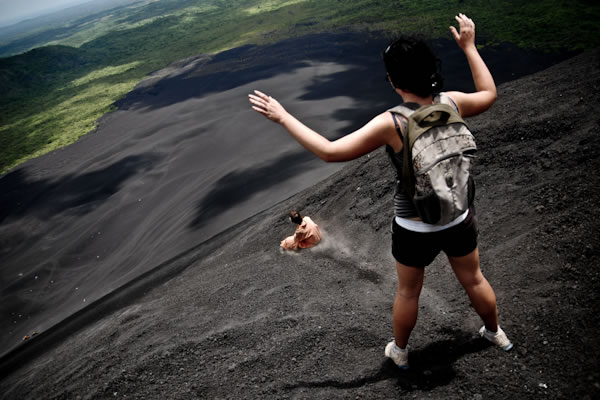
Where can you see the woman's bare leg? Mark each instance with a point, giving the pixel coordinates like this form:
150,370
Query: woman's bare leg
406,304
480,292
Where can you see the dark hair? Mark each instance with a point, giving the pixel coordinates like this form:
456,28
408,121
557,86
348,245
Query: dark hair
296,217
412,66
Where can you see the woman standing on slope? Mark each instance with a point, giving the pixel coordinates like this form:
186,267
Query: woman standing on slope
413,73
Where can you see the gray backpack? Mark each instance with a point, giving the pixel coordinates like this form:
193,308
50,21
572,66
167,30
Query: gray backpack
437,161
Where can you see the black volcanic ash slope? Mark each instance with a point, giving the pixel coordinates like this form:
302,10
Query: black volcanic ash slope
251,322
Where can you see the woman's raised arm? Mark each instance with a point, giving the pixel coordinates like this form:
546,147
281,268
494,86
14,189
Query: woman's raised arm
470,104
375,133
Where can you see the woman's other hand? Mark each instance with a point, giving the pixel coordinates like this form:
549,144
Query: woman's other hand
267,106
465,37
470,104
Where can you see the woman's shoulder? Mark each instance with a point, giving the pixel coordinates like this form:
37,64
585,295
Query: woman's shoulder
470,104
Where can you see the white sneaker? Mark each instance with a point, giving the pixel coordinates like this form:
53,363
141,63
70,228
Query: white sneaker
499,338
399,356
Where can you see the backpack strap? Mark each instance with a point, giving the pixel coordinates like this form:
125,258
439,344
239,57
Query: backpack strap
390,150
443,98
405,110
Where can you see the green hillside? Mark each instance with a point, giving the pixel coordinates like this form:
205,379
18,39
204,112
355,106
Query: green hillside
51,96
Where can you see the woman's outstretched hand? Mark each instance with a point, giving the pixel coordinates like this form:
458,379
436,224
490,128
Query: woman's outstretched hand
465,37
267,106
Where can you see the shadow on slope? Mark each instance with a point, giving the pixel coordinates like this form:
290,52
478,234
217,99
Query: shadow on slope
238,186
430,367
250,63
79,194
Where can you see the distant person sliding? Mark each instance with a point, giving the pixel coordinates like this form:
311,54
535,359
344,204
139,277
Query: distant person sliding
307,233
413,72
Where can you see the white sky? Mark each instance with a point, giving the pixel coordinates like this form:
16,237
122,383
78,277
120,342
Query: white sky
12,11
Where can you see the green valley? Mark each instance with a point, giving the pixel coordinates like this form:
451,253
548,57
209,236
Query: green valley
66,77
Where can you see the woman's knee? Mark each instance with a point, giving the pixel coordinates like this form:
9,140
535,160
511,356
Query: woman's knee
409,290
467,269
408,293
410,281
473,280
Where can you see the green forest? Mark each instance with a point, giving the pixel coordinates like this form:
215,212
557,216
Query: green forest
55,83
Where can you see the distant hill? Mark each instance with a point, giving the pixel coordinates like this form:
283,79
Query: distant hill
38,69
38,31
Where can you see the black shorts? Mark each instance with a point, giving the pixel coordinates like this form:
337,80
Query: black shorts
418,249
